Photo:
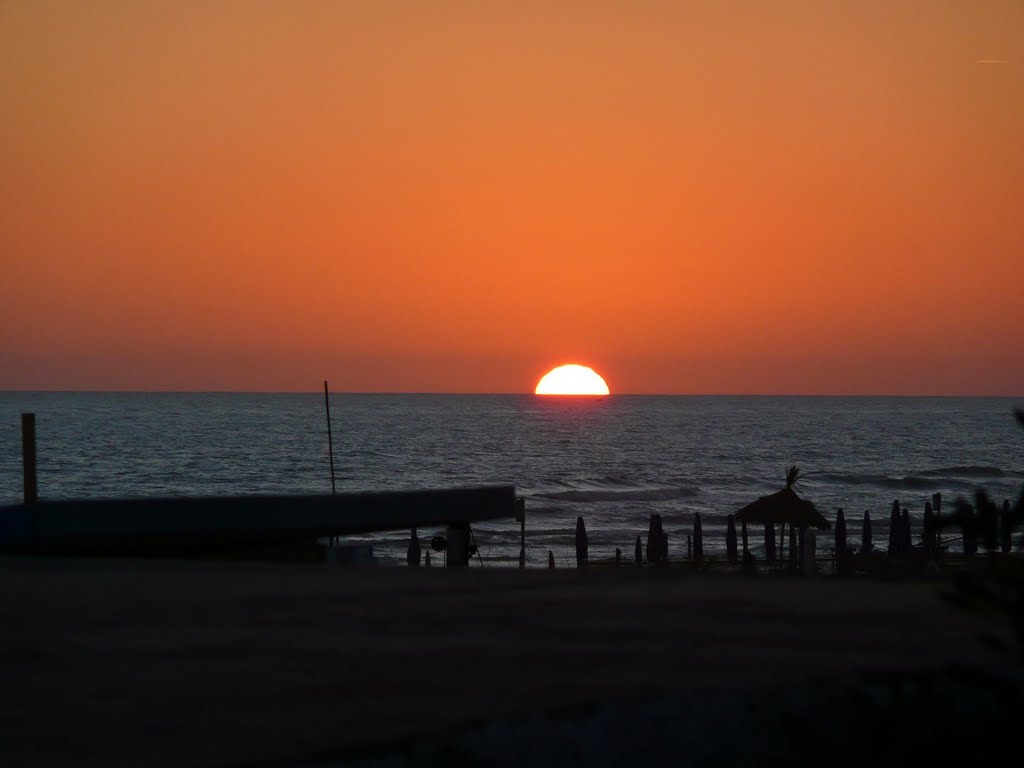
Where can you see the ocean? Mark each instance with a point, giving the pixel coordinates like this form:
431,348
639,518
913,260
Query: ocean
613,460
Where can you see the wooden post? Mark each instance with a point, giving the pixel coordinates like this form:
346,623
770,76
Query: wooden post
928,530
1006,529
521,519
28,457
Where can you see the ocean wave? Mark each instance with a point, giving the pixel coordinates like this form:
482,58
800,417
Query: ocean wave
964,471
603,482
922,481
626,494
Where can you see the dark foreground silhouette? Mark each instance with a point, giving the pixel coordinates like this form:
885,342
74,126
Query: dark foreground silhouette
174,663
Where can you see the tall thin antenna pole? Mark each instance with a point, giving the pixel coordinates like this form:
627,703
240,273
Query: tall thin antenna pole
330,440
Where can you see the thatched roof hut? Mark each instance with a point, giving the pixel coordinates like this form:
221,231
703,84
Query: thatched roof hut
784,507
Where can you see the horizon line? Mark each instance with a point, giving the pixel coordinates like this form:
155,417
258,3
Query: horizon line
73,391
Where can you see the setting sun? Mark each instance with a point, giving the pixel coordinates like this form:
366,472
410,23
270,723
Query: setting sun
571,380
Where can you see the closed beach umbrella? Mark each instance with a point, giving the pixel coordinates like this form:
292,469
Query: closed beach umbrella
840,531
689,548
698,539
730,540
638,553
652,540
744,538
661,540
551,559
865,534
581,543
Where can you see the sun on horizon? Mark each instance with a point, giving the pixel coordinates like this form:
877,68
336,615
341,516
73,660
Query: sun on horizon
572,379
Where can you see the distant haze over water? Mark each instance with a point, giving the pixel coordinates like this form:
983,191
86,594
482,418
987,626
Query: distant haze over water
614,460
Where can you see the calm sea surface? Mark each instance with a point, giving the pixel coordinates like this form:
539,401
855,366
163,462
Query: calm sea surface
614,460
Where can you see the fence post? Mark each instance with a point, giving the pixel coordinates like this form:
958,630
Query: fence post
28,457
521,519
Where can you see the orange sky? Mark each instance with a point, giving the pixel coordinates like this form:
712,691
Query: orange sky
762,197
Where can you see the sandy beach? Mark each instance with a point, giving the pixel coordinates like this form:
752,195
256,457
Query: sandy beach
173,663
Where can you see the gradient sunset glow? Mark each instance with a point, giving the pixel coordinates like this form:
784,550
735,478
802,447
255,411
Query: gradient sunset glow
786,197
